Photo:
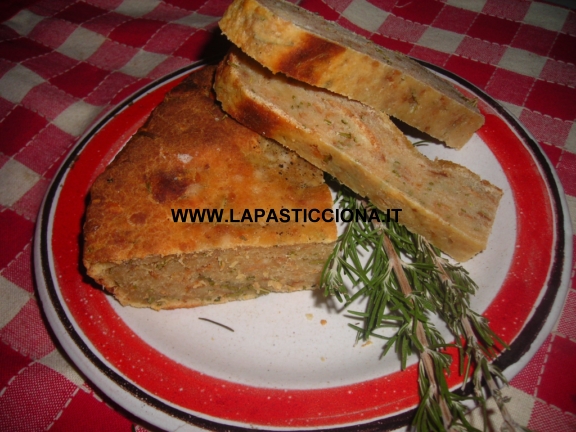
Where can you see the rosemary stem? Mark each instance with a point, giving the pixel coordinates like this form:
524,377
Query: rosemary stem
425,356
405,280
509,422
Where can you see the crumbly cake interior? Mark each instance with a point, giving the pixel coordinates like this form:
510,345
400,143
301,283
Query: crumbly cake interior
288,39
216,276
446,203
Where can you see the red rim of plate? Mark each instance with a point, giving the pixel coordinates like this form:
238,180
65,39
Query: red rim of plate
518,311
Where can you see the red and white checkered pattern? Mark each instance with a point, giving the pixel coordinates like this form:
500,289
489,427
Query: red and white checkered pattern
64,63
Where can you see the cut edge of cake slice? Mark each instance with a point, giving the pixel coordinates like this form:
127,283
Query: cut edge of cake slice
446,203
289,39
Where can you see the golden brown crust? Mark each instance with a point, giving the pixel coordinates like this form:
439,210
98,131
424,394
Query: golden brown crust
291,40
446,203
190,154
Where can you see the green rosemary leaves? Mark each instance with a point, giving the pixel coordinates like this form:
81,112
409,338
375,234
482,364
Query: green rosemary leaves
405,281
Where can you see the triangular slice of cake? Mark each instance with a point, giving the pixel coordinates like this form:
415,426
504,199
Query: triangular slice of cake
191,157
444,202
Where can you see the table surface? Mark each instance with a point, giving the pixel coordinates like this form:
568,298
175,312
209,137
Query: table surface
65,63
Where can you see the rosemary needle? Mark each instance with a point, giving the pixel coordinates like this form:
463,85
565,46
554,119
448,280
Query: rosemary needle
405,281
217,323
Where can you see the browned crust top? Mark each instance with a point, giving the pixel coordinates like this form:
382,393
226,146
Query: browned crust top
190,154
288,39
308,60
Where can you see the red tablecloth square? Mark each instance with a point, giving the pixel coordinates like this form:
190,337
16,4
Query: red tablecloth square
475,72
558,382
534,39
168,38
214,8
321,8
421,12
398,28
34,398
48,8
5,66
169,65
528,378
166,12
19,272
110,87
573,278
193,48
52,32
509,86
5,108
566,170
80,12
85,413
106,4
21,49
53,169
104,24
454,19
558,71
553,152
50,65
129,90
29,205
570,23
567,322
7,33
51,143
563,48
553,99
27,333
48,100
12,363
191,5
551,418
393,44
18,128
480,50
545,128
135,32
510,9
81,80
430,55
112,55
493,29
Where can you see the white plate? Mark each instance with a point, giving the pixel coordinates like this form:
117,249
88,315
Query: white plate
281,368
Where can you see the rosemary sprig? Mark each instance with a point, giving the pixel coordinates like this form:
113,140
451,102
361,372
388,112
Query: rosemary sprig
406,281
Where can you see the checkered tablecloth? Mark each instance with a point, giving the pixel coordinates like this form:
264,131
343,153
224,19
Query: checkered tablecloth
65,63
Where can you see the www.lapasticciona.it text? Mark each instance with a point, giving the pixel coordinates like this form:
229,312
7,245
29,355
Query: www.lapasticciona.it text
283,215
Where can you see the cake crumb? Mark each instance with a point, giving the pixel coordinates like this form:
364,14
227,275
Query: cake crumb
184,158
323,322
309,316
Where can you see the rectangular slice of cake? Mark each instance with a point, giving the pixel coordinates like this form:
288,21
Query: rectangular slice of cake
191,155
286,38
444,202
